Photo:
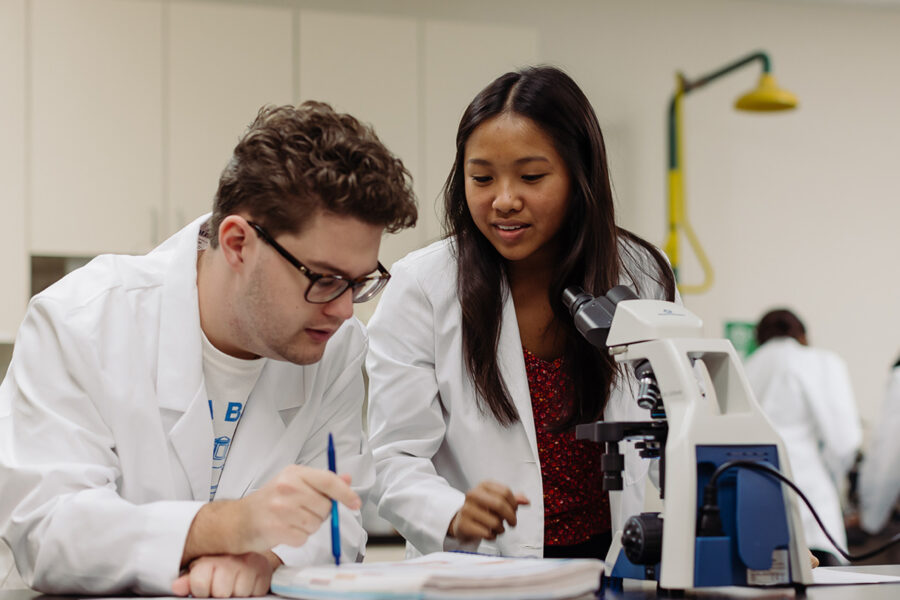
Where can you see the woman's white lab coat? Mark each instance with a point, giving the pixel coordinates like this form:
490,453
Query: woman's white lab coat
107,439
430,439
879,478
806,393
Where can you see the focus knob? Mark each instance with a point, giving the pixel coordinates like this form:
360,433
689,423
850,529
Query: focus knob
642,539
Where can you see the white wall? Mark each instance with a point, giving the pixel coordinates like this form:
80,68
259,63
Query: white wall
796,209
12,171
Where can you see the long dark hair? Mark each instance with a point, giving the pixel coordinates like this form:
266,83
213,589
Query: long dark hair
594,247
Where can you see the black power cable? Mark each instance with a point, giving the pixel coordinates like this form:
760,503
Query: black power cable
710,509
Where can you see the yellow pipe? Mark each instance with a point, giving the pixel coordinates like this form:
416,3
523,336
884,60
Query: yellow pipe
678,221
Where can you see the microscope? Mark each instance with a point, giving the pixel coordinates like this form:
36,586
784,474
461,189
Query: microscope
726,520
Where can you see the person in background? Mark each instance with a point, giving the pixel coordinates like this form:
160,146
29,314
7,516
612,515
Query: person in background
879,478
477,375
807,395
165,418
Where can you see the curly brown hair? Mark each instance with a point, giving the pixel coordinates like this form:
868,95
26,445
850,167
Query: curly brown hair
293,161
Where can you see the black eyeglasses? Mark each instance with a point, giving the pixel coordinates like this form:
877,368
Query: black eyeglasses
325,288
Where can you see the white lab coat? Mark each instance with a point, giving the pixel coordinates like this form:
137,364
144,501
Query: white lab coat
108,435
879,478
806,394
431,441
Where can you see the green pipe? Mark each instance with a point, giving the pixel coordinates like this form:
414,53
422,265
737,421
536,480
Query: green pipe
689,86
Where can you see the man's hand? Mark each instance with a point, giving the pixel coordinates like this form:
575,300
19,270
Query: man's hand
228,576
287,510
487,506
290,508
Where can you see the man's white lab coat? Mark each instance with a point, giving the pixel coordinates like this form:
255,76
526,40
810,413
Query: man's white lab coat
108,438
430,439
806,393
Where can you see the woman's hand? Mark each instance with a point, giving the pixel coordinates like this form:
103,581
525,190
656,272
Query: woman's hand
488,505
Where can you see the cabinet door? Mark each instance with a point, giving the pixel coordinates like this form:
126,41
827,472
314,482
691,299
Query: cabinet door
13,250
95,172
225,62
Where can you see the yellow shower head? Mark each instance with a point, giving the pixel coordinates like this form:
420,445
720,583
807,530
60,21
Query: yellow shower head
766,97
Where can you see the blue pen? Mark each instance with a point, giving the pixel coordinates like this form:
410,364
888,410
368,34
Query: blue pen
335,524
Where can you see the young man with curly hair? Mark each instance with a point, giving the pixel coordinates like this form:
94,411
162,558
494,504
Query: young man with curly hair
165,417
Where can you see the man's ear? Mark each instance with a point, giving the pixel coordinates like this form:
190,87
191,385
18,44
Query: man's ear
235,238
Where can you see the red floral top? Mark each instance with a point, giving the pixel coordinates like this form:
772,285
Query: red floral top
575,505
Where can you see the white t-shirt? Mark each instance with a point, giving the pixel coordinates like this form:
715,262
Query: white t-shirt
229,381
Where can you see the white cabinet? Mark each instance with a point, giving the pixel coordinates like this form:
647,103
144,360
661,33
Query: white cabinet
123,113
225,61
95,128
13,249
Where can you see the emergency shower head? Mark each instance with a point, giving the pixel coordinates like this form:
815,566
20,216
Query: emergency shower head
766,97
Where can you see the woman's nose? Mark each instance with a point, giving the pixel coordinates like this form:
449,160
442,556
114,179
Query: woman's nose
507,199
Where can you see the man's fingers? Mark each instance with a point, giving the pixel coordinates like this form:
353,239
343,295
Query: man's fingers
226,576
182,586
522,499
333,486
309,521
261,586
223,577
244,583
201,578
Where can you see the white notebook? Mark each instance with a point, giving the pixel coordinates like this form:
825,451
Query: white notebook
443,575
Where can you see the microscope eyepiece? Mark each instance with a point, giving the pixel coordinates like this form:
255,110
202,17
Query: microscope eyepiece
593,316
574,298
619,293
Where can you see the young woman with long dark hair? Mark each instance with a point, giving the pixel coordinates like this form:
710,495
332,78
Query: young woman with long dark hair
477,375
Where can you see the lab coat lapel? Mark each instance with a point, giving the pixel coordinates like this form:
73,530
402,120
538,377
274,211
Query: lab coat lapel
263,442
179,375
512,368
192,438
257,434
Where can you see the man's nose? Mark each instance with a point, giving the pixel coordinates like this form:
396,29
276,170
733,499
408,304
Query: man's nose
342,306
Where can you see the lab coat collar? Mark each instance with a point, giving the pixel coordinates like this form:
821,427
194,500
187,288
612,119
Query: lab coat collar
179,375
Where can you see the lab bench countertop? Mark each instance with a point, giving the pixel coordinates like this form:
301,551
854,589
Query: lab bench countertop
877,591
